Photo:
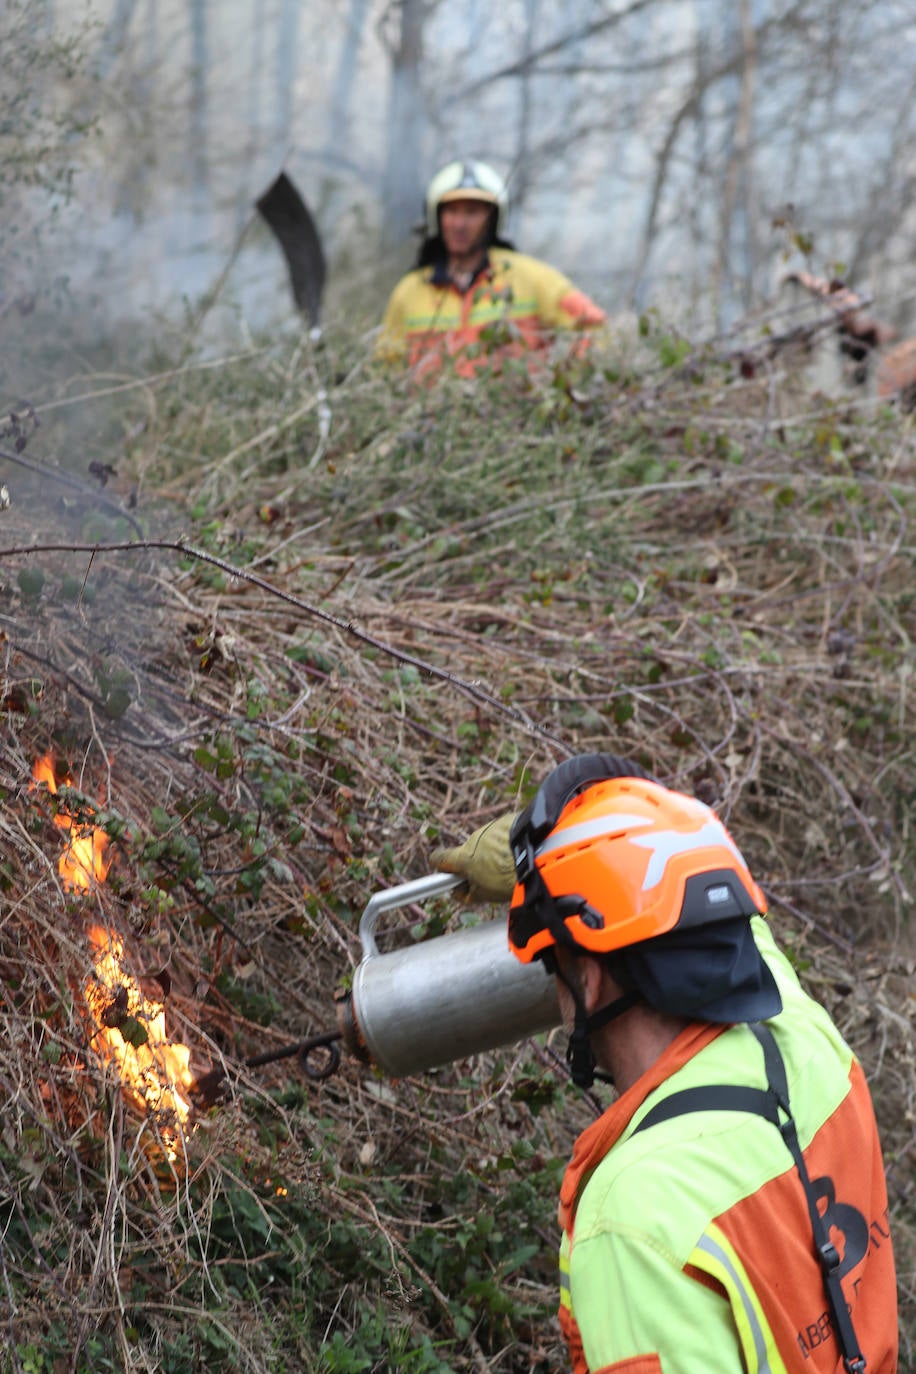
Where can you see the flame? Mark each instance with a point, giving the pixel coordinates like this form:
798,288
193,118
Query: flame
130,1027
153,1069
83,860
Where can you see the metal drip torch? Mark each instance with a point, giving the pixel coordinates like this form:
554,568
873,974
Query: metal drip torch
426,1004
431,1003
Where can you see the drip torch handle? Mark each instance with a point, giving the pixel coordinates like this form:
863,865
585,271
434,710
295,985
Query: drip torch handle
418,890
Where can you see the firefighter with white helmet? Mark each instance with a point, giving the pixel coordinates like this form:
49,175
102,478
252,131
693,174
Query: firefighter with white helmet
474,181
728,1212
472,300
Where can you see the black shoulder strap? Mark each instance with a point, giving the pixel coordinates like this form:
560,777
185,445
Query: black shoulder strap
773,1106
827,1255
711,1097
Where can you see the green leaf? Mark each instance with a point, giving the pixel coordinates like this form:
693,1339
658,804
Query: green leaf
624,710
70,588
31,581
133,1032
117,702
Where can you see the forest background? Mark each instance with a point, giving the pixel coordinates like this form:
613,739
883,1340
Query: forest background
284,624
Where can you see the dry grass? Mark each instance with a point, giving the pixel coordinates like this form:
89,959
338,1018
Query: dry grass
387,635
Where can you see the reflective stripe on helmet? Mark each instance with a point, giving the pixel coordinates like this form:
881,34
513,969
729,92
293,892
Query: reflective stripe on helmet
590,830
664,844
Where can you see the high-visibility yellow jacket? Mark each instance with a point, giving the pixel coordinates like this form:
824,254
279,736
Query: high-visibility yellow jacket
688,1249
515,306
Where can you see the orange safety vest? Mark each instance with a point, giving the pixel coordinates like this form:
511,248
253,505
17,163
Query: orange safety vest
514,307
688,1246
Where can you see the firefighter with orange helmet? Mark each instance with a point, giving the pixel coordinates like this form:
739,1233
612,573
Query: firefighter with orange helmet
472,300
728,1212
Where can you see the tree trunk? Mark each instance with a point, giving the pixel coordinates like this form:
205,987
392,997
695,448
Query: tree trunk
287,64
737,183
402,184
115,36
345,79
198,151
524,117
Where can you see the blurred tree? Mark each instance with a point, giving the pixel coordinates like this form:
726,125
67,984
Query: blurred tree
524,120
737,214
114,37
287,24
648,143
403,24
716,113
199,113
43,122
338,143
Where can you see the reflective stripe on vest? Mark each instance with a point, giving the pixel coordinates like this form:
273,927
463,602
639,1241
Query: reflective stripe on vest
565,1294
716,1257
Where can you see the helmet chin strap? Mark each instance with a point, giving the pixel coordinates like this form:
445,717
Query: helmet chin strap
579,1053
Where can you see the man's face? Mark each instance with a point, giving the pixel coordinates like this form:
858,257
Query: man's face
464,226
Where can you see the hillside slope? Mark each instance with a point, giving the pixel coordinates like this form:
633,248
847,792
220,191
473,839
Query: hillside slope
279,658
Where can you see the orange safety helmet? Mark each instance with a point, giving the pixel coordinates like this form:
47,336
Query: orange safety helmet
607,858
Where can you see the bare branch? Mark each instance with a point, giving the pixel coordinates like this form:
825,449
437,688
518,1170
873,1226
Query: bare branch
469,689
532,59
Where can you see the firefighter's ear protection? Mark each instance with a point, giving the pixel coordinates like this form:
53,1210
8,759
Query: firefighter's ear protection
566,781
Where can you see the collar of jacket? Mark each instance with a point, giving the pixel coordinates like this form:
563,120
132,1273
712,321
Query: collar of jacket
440,274
601,1136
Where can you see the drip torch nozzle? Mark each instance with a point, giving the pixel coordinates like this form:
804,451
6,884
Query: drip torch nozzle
208,1086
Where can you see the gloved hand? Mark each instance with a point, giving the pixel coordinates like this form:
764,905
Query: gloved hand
484,861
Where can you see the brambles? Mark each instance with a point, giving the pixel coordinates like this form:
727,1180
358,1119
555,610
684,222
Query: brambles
470,584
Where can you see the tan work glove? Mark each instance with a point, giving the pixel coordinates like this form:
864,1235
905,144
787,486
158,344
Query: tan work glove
484,861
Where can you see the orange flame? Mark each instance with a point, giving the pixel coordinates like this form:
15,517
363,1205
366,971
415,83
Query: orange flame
131,1033
83,860
130,1027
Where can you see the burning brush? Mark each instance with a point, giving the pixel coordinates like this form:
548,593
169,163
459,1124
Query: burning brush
130,1029
84,860
130,1033
406,1010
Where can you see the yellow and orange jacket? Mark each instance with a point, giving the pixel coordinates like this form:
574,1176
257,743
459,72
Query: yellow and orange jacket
687,1247
515,306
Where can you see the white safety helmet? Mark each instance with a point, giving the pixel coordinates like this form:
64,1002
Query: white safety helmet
466,181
